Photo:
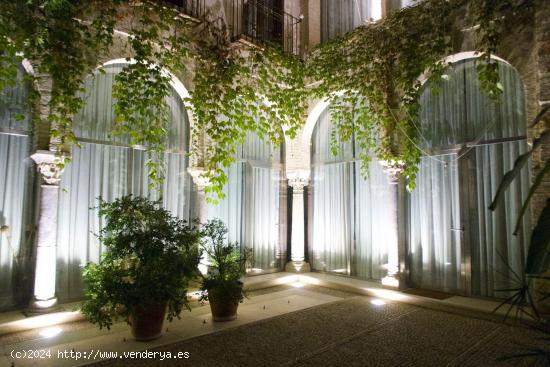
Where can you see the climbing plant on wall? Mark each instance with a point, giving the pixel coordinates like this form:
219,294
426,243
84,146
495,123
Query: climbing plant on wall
371,75
53,35
159,43
260,90
66,38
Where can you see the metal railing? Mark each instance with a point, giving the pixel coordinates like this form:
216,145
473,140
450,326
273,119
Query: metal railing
192,8
261,22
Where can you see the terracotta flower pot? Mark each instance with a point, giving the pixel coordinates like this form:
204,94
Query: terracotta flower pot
146,321
222,309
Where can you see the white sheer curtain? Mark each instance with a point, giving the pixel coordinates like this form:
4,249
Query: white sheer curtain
491,136
372,216
105,166
261,230
230,209
434,225
349,214
251,208
332,221
15,193
339,17
499,253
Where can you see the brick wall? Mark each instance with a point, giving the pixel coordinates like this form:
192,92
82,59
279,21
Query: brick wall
542,47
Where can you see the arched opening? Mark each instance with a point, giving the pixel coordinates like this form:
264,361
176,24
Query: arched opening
254,207
349,215
455,243
16,209
107,166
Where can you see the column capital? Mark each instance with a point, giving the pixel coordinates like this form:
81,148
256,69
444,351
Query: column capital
49,165
393,169
298,180
199,177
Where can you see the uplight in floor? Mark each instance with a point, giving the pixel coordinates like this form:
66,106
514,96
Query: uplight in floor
378,302
50,332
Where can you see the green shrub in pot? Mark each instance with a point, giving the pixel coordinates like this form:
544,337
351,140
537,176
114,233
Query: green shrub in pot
222,285
150,256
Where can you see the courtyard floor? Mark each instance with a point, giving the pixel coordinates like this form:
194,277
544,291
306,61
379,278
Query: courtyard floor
295,324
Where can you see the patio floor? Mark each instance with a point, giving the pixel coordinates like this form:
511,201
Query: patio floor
295,324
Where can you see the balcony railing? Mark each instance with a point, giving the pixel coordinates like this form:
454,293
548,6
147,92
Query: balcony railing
262,22
192,8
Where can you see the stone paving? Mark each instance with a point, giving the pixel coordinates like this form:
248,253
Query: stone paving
357,332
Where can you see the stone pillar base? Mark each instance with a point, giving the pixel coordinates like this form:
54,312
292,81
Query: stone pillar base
391,281
297,267
37,307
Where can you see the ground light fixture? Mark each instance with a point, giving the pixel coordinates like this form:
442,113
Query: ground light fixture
378,302
50,332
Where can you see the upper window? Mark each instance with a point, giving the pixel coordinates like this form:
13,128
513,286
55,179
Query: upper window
339,17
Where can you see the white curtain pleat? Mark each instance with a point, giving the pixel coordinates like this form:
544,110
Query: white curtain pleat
99,168
462,113
230,209
372,216
15,193
500,256
251,207
350,215
332,218
339,17
434,226
14,206
262,225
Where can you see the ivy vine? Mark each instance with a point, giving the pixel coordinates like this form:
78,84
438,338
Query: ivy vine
53,34
236,91
159,43
370,76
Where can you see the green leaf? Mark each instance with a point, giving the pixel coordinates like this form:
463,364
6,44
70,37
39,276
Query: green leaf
519,163
509,177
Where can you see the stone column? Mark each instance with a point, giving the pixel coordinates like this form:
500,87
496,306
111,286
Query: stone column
200,210
44,297
393,170
297,240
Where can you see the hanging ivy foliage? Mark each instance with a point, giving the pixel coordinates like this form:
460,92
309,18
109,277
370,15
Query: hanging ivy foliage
371,79
61,43
159,43
260,90
370,76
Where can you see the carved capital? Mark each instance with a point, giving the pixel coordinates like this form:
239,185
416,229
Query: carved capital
48,166
393,169
298,180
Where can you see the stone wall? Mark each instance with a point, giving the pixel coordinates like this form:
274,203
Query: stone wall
542,77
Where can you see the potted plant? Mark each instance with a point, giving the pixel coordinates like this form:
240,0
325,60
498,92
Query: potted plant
150,255
222,286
